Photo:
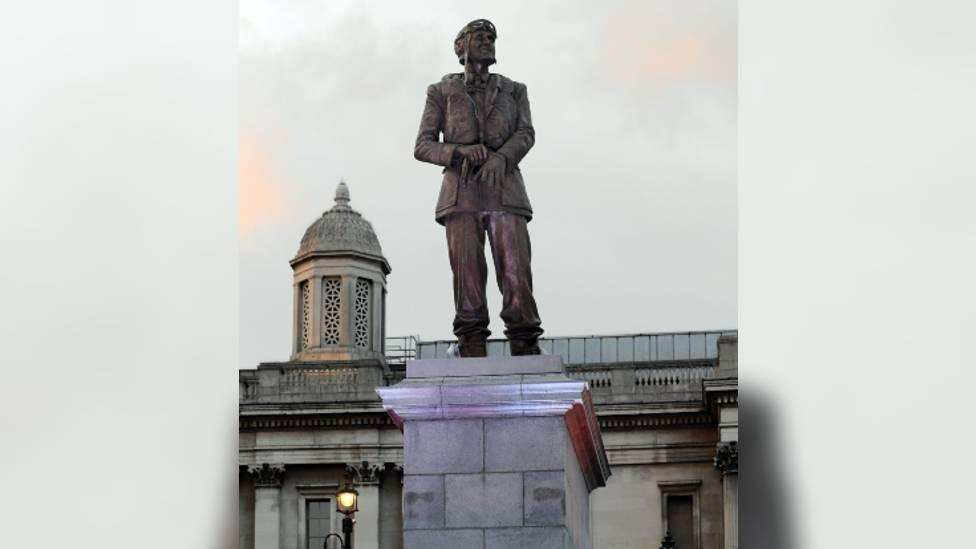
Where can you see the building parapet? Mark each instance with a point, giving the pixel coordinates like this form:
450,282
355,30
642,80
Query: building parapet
633,370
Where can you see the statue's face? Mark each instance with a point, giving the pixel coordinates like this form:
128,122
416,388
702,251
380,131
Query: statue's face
482,47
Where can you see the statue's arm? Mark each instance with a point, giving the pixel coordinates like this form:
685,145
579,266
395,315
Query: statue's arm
428,147
524,136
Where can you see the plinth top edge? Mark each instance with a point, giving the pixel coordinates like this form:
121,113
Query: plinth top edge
487,366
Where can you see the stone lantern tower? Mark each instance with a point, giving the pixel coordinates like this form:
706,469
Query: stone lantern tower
339,288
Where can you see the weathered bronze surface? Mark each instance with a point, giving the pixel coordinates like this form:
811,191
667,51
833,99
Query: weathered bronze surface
487,129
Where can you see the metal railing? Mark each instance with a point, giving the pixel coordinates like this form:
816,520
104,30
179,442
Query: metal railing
398,350
630,348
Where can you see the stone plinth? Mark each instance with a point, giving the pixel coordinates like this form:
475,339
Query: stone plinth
498,452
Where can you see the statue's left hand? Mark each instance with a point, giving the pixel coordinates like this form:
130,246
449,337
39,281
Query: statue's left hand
492,172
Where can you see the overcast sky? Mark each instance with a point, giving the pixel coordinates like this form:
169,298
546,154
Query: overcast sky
632,177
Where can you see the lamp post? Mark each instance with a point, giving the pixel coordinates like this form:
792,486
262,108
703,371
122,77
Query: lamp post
347,503
668,541
325,544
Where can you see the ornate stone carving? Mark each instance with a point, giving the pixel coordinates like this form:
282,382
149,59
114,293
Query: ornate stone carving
331,307
365,472
361,318
727,457
340,229
397,469
306,314
267,475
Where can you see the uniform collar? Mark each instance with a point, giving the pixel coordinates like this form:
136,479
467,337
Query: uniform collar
480,80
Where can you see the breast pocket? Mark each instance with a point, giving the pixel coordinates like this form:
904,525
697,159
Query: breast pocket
501,122
461,126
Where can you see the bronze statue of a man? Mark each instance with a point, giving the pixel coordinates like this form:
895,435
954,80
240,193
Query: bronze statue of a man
487,129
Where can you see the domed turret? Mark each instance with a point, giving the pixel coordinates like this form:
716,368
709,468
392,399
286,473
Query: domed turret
340,287
341,230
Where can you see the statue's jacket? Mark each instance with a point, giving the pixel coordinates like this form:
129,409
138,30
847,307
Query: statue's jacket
507,130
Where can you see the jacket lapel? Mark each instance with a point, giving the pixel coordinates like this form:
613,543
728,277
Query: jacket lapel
495,85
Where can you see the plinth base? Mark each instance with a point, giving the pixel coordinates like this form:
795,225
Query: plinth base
503,455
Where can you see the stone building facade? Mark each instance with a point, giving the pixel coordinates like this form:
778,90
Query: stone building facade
666,404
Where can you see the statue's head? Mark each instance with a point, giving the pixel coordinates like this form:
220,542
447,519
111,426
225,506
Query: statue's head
476,42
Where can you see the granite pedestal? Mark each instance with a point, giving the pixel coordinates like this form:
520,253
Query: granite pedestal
499,453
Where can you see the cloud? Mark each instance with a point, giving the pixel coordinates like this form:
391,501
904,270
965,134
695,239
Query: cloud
668,44
261,191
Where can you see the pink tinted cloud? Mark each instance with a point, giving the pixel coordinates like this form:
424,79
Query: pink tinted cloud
648,50
261,194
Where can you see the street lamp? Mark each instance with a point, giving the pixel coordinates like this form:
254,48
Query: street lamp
325,544
347,500
347,503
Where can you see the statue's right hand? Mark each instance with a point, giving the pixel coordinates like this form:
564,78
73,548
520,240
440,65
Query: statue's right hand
475,154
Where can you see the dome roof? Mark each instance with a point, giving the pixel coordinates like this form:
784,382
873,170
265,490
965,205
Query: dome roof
341,231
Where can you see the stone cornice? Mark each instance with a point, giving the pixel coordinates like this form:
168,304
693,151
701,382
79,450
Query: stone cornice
721,385
310,408
617,419
315,421
646,454
320,364
632,422
323,455
721,392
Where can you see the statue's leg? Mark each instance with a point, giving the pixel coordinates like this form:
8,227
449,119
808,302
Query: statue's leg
466,247
511,250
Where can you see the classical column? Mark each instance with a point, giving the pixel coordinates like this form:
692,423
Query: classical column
727,462
391,507
367,478
267,498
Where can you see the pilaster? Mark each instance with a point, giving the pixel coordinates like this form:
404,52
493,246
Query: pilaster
315,321
267,504
367,478
347,311
376,316
727,462
296,321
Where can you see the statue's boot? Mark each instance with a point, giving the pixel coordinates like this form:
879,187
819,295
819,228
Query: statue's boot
522,347
472,347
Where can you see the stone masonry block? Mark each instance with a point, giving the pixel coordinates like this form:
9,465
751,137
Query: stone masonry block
525,444
545,498
528,538
423,501
484,500
444,539
494,366
448,446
